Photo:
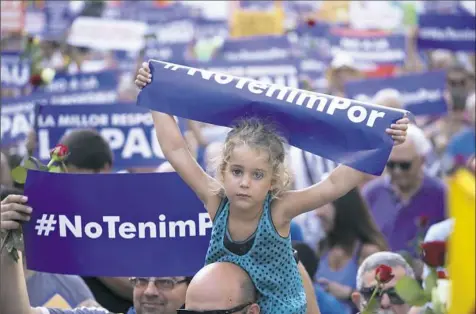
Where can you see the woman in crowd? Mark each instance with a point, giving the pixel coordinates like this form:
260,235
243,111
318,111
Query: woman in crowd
352,235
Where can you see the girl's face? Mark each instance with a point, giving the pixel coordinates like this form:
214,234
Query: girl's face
247,177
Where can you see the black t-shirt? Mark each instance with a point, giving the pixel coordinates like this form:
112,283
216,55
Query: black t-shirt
107,298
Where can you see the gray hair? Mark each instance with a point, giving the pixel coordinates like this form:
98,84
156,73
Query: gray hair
388,95
416,135
382,258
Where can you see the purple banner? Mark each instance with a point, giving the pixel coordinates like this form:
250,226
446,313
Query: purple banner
452,32
128,225
343,130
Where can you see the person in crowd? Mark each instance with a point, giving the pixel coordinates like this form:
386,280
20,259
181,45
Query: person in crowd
296,235
404,194
341,70
389,302
352,235
221,287
457,90
249,204
462,145
328,304
392,98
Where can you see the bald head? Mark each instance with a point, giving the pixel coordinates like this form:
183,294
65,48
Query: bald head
219,286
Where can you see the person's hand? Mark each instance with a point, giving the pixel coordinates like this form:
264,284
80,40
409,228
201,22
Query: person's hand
398,131
143,76
14,211
336,289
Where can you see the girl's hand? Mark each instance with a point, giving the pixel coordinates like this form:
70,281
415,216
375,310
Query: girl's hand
398,131
143,76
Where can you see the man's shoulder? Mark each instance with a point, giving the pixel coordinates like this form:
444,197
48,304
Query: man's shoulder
79,310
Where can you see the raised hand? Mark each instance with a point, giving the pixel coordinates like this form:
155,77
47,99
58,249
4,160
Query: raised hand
143,76
398,131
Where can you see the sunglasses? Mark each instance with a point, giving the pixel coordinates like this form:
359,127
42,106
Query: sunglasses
457,82
391,293
230,311
403,165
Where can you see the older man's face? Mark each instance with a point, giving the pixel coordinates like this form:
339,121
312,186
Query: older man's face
404,166
159,295
389,302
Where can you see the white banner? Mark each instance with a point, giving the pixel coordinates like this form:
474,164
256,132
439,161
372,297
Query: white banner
106,34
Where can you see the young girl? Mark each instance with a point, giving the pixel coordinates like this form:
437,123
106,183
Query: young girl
251,209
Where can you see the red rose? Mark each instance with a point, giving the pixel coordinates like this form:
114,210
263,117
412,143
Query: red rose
422,221
434,253
35,80
441,274
59,153
310,22
383,274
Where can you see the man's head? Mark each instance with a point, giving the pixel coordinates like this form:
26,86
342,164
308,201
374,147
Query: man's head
164,295
220,287
405,165
89,152
388,97
389,301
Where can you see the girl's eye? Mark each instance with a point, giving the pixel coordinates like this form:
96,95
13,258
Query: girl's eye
236,172
258,175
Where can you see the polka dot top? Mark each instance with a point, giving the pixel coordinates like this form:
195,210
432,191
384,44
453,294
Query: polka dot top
270,263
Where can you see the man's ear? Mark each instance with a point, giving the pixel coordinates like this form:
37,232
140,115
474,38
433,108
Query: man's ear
254,309
356,299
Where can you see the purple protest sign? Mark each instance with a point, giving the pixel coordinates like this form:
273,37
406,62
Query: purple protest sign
452,32
115,225
340,129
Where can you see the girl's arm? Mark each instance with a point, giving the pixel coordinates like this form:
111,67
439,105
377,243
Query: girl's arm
337,184
175,149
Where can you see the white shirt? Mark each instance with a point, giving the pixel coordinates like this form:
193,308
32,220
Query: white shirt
440,231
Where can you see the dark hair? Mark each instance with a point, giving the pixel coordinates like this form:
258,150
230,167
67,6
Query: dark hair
353,223
308,258
6,190
88,150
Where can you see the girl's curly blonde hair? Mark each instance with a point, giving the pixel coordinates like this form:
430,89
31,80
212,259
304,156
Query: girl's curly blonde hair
258,135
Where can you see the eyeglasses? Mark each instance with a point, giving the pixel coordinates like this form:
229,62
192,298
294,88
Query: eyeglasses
457,82
403,165
391,293
230,311
160,283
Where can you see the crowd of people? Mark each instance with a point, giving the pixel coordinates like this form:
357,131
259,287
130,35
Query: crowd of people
310,244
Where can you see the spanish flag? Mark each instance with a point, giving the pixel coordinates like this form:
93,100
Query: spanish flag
462,242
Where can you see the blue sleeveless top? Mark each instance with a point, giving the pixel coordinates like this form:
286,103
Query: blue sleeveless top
270,263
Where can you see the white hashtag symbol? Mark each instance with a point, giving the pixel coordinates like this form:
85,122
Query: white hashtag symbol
45,225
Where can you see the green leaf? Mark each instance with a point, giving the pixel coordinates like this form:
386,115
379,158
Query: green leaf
30,164
19,174
430,282
55,169
410,291
429,311
38,163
